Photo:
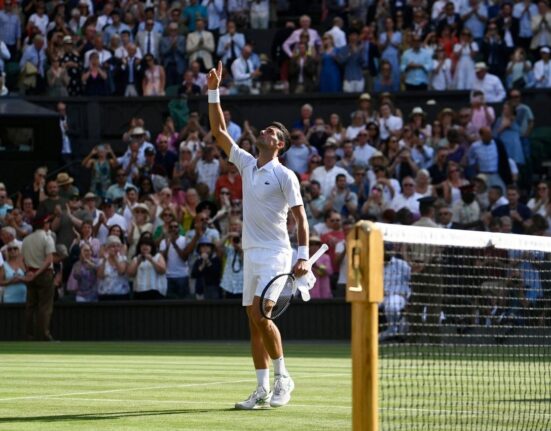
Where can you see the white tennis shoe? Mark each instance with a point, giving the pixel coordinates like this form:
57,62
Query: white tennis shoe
283,386
259,399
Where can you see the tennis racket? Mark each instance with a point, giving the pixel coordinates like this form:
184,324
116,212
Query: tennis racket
279,292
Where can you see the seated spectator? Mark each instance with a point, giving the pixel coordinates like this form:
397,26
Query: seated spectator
244,71
452,185
357,124
542,69
326,175
489,84
83,279
207,271
518,212
188,87
341,199
323,270
12,275
330,80
84,236
539,203
108,219
200,45
389,124
153,82
409,198
373,207
111,272
149,270
466,211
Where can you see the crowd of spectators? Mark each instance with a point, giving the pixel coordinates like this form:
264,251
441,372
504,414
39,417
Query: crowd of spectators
163,219
130,48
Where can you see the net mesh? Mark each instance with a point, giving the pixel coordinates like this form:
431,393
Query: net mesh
465,331
277,296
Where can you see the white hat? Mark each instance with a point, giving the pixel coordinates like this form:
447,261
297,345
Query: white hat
545,49
418,111
480,66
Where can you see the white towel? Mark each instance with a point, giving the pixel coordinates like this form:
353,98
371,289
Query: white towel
305,283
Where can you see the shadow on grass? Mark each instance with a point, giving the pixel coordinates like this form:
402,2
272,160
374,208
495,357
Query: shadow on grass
108,416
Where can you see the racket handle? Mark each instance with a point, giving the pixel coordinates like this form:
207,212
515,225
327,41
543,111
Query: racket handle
318,254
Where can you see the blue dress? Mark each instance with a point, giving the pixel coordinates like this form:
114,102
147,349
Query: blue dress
14,293
511,141
391,53
330,75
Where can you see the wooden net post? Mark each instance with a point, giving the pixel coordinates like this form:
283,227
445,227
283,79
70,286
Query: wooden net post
365,252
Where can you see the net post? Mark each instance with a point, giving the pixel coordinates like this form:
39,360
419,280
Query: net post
364,248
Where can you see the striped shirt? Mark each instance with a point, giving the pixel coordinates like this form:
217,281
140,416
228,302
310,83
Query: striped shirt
147,278
484,156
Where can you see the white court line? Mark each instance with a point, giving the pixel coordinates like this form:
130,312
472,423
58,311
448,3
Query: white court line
145,388
183,403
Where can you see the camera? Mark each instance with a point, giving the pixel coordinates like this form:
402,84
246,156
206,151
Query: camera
236,239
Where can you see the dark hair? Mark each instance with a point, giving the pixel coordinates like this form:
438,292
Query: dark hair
121,236
146,240
339,176
283,134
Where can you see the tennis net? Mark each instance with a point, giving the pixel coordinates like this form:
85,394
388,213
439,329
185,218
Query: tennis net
465,331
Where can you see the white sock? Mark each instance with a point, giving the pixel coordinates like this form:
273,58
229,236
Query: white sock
263,378
279,367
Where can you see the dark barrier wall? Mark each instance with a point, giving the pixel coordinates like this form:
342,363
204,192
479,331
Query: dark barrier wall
178,320
105,119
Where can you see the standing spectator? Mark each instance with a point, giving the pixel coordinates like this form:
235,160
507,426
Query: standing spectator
131,72
200,45
524,11
230,248
149,271
173,54
230,45
260,14
57,79
489,84
351,56
207,271
207,168
474,15
538,204
33,67
302,71
370,56
176,250
12,275
323,270
108,218
341,199
72,64
389,124
39,18
101,160
314,40
389,46
482,115
494,51
10,27
362,150
330,76
38,249
339,36
94,78
441,73
188,86
387,80
542,69
465,51
299,153
153,82
111,274
192,12
466,211
416,66
507,129
83,278
115,28
104,55
525,118
490,158
216,18
149,39
244,71
541,26
519,71
165,157
140,224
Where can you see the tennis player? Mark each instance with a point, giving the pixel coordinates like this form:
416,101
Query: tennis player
269,190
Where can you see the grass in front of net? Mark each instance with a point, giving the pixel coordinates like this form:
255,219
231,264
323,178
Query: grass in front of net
165,386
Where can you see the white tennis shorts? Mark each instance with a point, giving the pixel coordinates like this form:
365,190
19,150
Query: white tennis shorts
260,265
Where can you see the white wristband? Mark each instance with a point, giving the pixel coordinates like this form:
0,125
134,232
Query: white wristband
303,252
214,96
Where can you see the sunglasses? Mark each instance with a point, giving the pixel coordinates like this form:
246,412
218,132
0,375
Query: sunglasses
13,248
225,193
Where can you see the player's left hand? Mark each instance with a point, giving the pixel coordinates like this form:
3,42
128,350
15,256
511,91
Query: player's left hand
301,268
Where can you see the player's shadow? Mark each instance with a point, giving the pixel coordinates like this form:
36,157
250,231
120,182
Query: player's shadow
107,415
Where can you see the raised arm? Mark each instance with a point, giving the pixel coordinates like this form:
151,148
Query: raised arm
216,116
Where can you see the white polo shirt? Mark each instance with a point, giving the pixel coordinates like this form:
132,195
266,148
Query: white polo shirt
268,193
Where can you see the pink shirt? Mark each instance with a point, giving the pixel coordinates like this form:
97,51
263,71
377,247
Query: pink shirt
479,120
322,287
